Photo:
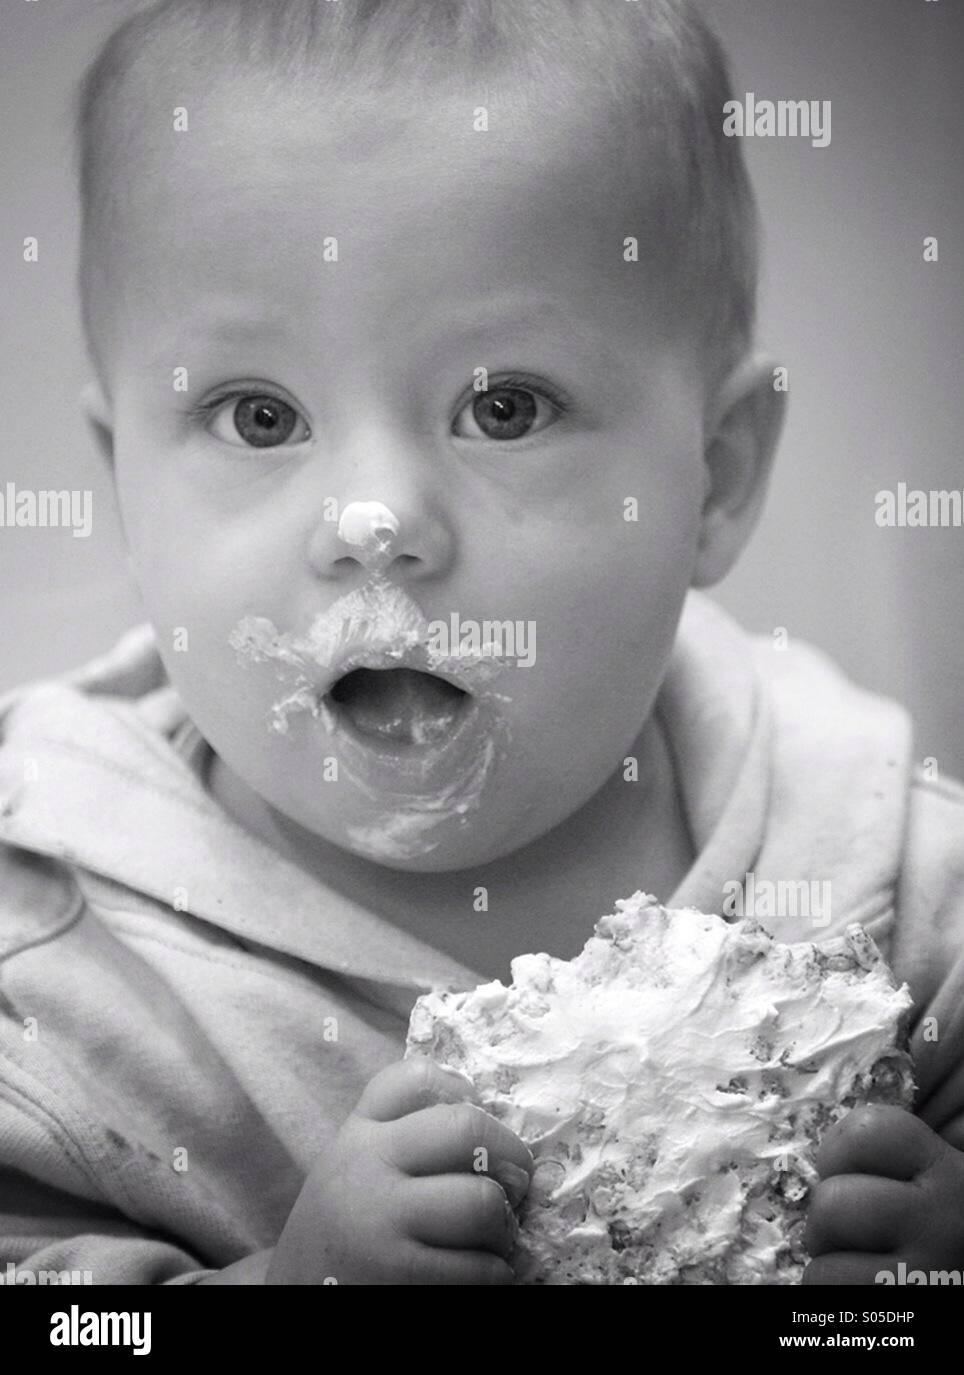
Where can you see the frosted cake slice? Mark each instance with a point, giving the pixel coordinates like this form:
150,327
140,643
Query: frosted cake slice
673,1082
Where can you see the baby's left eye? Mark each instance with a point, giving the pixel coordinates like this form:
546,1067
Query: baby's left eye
505,412
260,421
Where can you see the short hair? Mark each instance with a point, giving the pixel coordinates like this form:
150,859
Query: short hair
657,66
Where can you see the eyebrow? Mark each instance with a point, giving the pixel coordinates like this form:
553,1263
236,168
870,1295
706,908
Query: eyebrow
520,319
248,329
512,319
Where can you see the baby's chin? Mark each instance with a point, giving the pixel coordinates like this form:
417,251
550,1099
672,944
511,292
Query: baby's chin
494,808
420,843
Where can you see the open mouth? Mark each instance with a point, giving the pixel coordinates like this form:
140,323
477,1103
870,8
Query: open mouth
398,707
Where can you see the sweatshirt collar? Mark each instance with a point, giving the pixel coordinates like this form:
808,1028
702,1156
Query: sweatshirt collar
790,773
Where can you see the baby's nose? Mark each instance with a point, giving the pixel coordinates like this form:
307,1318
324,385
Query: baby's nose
371,531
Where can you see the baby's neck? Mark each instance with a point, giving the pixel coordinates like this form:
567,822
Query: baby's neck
544,896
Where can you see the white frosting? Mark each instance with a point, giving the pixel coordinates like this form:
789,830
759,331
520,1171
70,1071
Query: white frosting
379,625
376,618
407,826
410,827
371,529
672,1082
376,625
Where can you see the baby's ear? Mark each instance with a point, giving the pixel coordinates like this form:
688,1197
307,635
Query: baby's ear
97,414
743,427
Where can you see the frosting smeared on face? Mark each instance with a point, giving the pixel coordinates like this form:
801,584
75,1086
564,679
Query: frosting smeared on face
371,529
377,625
440,776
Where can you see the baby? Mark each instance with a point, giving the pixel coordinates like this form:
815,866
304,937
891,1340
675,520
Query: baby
425,370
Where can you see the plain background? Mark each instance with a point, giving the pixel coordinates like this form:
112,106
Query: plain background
871,334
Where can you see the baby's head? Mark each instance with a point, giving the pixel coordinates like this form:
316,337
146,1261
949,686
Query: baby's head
411,316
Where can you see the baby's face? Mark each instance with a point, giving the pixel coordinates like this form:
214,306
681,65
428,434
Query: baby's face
340,479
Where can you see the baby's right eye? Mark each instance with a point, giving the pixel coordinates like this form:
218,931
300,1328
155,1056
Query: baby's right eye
256,419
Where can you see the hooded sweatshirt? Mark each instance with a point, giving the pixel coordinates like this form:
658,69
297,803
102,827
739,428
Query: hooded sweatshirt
187,1017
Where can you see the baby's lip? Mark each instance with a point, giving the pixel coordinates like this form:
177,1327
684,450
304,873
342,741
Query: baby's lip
376,626
414,657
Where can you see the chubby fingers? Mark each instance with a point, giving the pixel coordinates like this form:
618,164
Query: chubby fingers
861,1213
460,1211
892,1190
432,1124
435,1265
450,1138
408,1085
847,1267
878,1140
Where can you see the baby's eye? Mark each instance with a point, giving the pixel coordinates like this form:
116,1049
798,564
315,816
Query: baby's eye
505,412
260,420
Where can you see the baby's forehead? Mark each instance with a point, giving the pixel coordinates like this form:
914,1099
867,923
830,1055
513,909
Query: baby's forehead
253,162
199,143
221,103
362,216
572,89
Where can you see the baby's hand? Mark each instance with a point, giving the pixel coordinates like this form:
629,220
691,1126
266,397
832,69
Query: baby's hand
891,1190
417,1188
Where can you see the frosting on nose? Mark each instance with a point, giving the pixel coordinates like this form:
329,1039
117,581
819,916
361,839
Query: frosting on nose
371,530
